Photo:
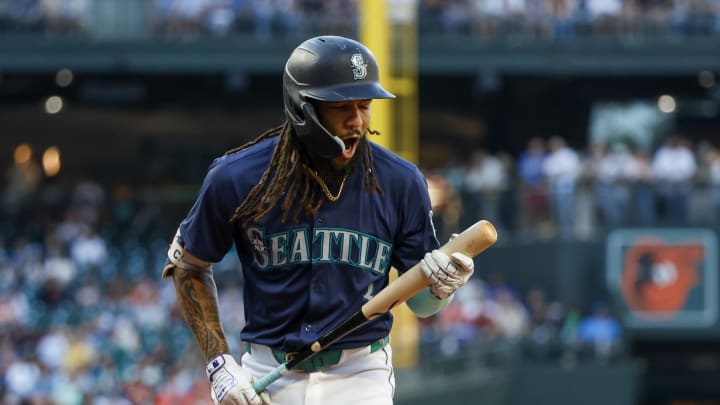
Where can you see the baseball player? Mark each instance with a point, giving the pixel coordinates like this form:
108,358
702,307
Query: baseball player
317,214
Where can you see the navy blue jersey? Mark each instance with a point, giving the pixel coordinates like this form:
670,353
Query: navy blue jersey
302,279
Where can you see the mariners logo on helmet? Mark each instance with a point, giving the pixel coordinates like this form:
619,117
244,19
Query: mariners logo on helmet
359,66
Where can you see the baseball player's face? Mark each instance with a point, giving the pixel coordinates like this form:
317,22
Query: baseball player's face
348,120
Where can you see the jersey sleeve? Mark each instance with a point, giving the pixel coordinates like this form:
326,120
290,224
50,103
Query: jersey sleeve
207,230
417,231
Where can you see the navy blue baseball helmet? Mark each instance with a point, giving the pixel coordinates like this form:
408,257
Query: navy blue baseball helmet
327,68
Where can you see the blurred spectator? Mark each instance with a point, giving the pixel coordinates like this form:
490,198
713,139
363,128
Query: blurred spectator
159,15
454,17
27,15
446,206
515,16
561,170
643,194
22,180
314,12
673,168
532,188
70,228
486,17
262,11
563,21
88,198
52,348
80,352
429,16
678,16
510,318
713,162
538,313
288,16
613,173
340,17
538,19
219,16
3,255
20,379
545,321
508,205
464,320
89,250
496,282
66,16
180,17
605,16
569,325
485,181
600,332
183,388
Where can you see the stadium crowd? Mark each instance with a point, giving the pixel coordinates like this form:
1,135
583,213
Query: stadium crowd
482,19
85,318
554,190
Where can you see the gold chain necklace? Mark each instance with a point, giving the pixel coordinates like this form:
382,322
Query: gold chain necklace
324,186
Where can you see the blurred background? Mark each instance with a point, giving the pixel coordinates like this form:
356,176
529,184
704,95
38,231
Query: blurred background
588,131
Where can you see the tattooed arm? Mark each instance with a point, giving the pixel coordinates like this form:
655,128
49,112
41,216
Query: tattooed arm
197,296
198,299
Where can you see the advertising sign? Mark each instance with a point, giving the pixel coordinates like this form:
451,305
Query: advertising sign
664,278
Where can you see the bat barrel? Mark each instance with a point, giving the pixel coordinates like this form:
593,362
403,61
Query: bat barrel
472,241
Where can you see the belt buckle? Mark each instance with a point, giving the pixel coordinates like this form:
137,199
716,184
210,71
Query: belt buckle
299,367
289,356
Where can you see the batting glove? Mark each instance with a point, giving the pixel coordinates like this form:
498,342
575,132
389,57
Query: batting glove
231,384
446,273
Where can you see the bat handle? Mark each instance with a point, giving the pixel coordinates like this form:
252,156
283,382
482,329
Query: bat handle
261,384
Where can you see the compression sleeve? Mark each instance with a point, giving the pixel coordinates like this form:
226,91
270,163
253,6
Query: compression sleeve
424,304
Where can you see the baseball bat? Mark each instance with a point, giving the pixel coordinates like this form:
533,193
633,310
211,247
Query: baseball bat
471,242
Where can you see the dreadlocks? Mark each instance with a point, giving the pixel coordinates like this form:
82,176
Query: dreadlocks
284,174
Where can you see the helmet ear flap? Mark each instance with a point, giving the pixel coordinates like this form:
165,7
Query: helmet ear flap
295,112
313,132
301,115
308,111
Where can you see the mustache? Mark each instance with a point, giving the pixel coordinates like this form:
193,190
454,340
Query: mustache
354,131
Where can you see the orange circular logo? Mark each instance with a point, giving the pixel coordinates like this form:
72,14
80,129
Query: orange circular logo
658,276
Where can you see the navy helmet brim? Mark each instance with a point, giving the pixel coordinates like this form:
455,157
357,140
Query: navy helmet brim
346,92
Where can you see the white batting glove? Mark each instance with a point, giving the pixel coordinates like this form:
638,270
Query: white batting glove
231,384
446,273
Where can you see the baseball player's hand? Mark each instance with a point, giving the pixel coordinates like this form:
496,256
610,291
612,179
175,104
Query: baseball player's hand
446,273
231,384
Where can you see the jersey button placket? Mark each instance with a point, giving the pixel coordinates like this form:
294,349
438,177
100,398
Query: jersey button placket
315,288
